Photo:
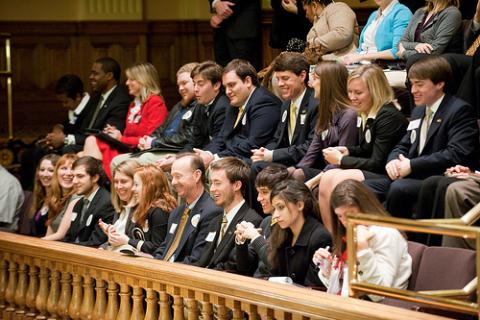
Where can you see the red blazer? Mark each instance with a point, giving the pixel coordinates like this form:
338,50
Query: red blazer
151,115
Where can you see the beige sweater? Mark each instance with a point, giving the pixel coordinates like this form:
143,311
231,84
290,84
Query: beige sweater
336,30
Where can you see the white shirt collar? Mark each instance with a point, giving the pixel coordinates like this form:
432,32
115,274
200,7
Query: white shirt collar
298,101
92,195
192,205
388,8
248,99
107,94
234,211
73,114
436,104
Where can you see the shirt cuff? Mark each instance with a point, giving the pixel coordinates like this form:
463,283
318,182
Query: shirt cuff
214,3
70,139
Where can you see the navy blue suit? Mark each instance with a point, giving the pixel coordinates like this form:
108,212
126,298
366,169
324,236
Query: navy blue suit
255,129
192,241
451,139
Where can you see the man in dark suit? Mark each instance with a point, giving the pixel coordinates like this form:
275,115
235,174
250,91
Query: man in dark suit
109,106
442,132
88,175
228,178
250,121
188,224
237,31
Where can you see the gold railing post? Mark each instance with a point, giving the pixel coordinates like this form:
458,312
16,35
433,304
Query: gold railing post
125,309
99,310
42,294
21,292
164,304
76,301
10,291
32,291
3,284
151,300
192,305
137,308
112,305
177,305
65,294
54,294
88,298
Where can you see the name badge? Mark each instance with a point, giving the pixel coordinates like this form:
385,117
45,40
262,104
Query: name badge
302,119
324,134
187,115
44,211
368,136
414,124
74,216
89,220
211,236
284,116
195,220
413,136
244,119
359,122
173,228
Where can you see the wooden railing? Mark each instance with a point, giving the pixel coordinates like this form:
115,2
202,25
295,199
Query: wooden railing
52,280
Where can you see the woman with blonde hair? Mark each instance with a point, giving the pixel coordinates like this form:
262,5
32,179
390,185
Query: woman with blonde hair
147,228
61,199
380,126
145,114
43,180
123,199
434,29
382,253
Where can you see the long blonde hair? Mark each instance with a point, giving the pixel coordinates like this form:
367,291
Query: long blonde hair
39,191
377,85
128,168
147,76
435,6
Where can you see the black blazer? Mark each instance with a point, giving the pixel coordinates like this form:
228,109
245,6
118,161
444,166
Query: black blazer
151,236
376,140
223,256
192,242
256,126
451,139
296,261
245,20
88,232
75,128
291,153
184,132
113,112
208,122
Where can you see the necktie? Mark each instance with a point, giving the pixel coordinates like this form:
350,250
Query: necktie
223,228
471,51
97,110
240,111
424,130
83,215
178,235
292,121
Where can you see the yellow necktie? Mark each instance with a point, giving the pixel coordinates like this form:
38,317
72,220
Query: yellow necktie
240,111
223,229
293,121
178,235
471,51
424,130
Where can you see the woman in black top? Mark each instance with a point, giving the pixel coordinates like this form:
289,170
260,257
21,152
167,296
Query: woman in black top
381,125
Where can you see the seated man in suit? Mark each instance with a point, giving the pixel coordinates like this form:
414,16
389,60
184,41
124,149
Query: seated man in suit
172,135
250,121
108,106
442,132
96,204
188,224
11,200
299,115
228,178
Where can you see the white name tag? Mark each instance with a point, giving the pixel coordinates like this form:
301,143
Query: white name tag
210,237
302,119
414,124
359,122
89,220
74,216
173,228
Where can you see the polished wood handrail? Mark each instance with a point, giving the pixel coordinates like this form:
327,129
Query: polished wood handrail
171,290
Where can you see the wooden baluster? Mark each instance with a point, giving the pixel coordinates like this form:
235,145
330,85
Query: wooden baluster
125,309
76,301
21,292
42,294
207,310
99,310
151,312
177,305
112,306
65,294
164,304
137,308
252,311
265,313
31,292
10,291
54,294
192,306
88,296
3,284
237,311
222,310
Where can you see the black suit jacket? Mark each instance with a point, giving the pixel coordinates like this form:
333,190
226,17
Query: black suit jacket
376,140
88,231
222,257
245,20
151,236
451,139
113,112
75,128
291,153
256,126
192,242
208,122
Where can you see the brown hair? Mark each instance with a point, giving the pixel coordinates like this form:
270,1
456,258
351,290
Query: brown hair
210,70
291,61
436,6
434,68
188,67
155,193
235,170
243,69
351,193
271,175
128,168
291,191
333,93
39,191
57,197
